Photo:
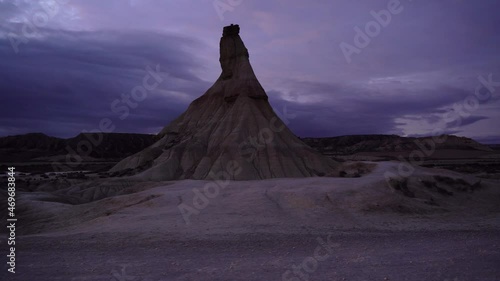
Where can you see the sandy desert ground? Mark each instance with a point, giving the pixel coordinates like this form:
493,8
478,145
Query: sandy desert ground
434,225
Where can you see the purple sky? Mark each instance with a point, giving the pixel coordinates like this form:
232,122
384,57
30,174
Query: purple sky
421,65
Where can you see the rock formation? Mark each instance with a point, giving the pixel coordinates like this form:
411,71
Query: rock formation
229,132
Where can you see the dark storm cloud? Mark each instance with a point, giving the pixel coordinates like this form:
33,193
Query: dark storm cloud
351,110
67,81
492,139
466,121
8,8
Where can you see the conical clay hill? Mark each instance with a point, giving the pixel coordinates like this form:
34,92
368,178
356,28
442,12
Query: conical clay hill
229,132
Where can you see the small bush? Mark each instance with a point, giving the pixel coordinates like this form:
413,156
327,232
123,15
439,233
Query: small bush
402,186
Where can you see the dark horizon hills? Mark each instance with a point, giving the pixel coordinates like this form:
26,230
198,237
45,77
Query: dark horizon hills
488,142
25,147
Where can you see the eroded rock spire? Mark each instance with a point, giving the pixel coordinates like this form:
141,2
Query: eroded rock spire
231,131
232,51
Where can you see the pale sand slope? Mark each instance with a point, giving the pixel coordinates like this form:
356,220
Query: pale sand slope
308,205
258,230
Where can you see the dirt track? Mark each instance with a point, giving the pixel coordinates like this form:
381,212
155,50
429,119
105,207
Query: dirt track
261,230
443,255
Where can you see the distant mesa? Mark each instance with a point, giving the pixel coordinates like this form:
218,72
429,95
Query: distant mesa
216,135
117,146
40,147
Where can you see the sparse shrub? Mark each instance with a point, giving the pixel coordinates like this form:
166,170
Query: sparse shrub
443,179
433,185
476,186
458,184
431,202
402,186
444,191
429,184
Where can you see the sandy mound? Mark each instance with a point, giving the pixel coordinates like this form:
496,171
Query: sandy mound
431,198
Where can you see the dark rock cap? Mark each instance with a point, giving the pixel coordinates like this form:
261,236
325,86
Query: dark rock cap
231,30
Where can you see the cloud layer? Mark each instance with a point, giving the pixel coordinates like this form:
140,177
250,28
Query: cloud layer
86,54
